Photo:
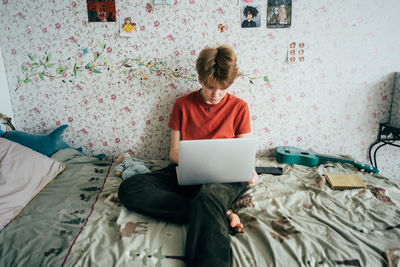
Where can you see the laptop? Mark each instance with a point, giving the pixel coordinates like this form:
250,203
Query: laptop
208,161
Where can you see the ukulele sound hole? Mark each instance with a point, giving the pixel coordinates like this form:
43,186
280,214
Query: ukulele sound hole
304,153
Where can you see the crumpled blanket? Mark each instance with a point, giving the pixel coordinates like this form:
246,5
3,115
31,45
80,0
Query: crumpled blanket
131,167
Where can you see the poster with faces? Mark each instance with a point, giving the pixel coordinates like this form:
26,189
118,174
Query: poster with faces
101,11
279,13
250,14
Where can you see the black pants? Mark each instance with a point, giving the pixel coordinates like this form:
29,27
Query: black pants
204,207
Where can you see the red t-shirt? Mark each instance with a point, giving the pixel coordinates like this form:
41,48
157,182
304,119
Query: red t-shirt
196,119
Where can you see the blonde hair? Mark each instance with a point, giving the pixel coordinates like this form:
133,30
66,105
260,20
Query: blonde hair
217,65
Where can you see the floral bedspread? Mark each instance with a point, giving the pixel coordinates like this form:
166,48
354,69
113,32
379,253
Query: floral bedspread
290,220
43,233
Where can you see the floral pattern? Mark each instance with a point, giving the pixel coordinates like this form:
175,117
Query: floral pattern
116,93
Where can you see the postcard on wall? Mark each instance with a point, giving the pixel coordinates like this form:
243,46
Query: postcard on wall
127,23
296,52
101,11
250,14
279,13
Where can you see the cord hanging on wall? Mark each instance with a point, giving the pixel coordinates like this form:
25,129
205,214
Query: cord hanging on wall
388,133
395,106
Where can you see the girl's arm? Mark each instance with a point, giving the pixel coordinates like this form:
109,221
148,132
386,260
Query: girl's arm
174,146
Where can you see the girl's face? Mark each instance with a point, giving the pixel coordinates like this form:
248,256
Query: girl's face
213,94
249,16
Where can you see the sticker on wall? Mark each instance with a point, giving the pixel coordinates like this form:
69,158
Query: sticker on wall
149,8
221,27
296,52
279,13
127,24
101,11
250,15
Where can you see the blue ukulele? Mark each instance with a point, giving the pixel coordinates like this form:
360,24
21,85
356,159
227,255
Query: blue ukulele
293,155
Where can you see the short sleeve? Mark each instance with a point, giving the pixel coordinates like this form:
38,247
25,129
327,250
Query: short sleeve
176,118
243,120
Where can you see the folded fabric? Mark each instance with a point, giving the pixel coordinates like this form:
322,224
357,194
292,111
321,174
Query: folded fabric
23,174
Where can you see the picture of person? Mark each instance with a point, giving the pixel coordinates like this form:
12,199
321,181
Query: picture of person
279,13
101,11
250,17
102,14
273,18
127,23
282,15
128,26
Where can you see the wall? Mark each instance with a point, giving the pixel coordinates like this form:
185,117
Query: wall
5,102
116,92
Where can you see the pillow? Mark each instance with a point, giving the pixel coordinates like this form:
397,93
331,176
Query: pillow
45,144
23,174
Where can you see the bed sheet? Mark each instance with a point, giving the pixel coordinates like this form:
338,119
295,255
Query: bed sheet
43,233
289,220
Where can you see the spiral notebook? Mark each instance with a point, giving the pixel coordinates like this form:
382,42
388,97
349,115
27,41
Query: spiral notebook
345,181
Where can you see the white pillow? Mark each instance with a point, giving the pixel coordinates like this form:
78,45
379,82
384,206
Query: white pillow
23,174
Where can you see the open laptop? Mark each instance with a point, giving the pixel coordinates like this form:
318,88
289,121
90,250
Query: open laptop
209,161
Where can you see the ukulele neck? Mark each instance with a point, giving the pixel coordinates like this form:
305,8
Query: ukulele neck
324,158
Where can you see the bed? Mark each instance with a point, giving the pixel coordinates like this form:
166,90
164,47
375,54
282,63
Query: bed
294,219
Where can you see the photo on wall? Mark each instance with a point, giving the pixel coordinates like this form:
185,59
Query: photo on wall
101,10
279,13
127,23
250,15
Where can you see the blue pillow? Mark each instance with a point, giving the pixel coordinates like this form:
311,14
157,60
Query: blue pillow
45,144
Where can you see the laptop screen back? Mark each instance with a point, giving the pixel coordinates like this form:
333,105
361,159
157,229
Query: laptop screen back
216,160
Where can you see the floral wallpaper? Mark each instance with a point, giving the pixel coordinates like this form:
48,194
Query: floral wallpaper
116,93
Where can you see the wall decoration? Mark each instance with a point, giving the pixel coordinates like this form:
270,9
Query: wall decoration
41,68
101,11
296,52
149,8
221,27
127,24
250,16
279,13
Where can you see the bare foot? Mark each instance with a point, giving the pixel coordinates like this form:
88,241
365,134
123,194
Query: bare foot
234,221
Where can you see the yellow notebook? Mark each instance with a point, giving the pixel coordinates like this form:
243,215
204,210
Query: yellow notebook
345,181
